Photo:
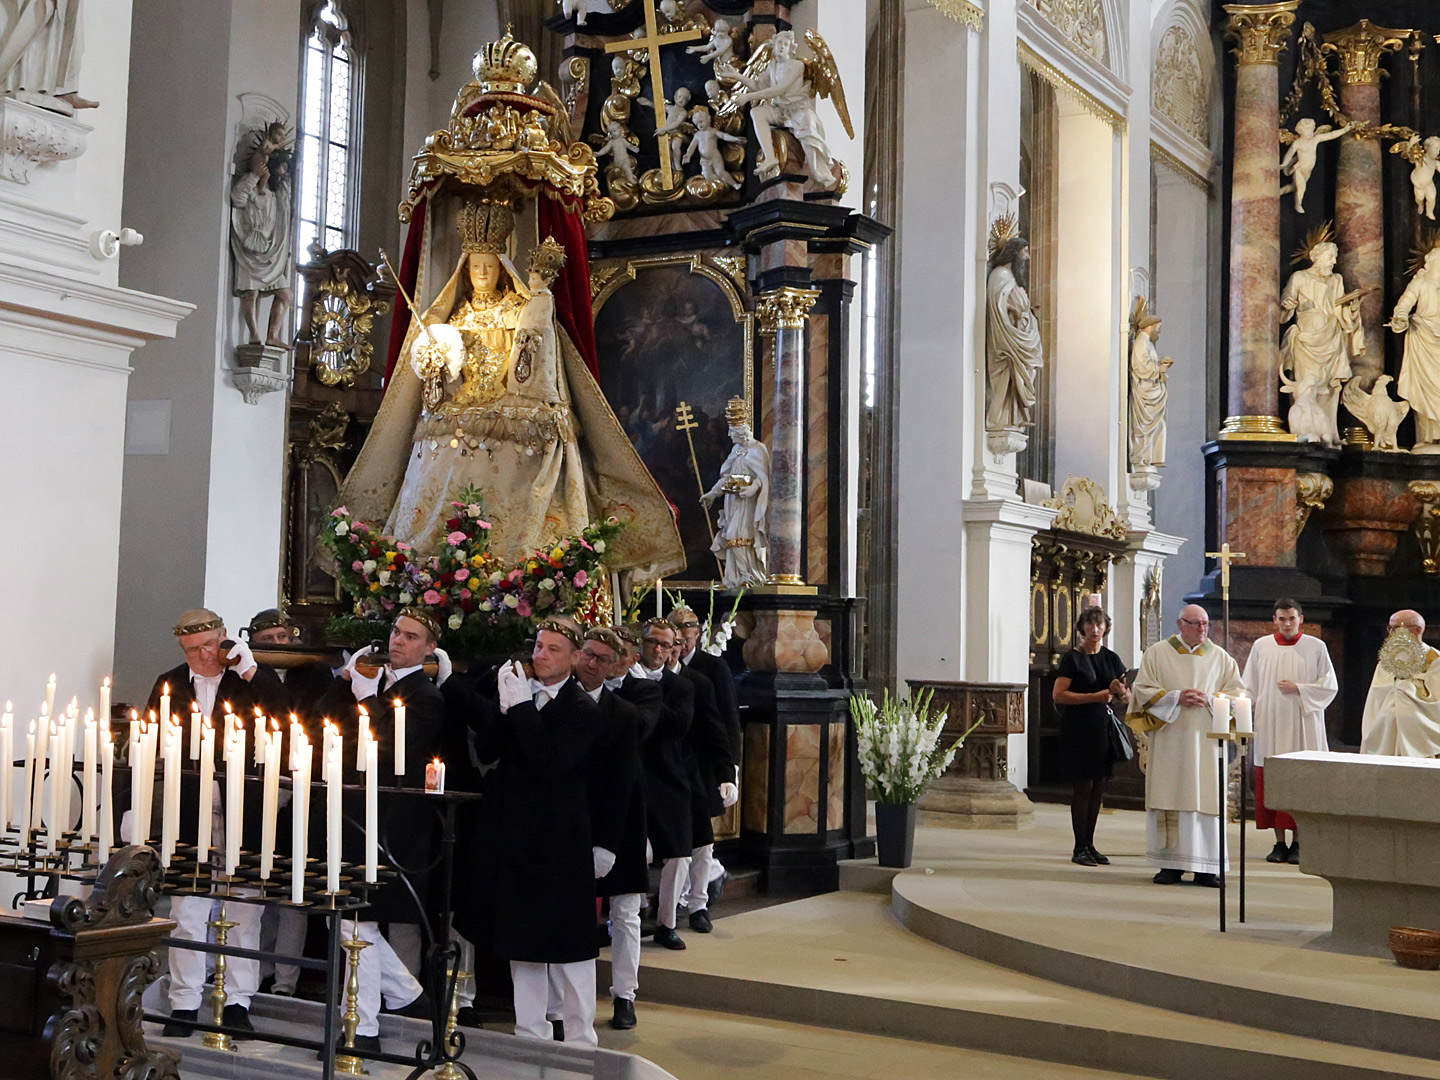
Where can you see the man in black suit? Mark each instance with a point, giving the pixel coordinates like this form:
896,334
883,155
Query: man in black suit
216,672
544,846
409,831
618,807
719,772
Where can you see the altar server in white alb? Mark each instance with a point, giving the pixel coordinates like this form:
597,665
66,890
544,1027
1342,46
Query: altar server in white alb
1291,678
1172,701
1402,714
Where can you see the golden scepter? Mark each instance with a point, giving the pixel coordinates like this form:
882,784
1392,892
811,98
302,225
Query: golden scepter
685,421
444,344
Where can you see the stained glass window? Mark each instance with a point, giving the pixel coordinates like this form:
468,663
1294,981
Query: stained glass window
328,143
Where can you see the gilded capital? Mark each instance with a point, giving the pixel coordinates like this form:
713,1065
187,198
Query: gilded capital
1360,48
785,308
1260,31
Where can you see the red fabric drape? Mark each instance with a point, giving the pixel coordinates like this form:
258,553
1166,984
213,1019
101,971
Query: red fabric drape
572,287
409,272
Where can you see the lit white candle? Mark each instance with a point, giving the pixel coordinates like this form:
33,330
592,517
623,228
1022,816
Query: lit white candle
435,778
659,597
399,745
206,818
372,811
230,722
194,731
295,732
261,740
360,736
87,808
42,743
7,762
1244,716
270,804
53,802
332,813
107,797
23,821
170,813
234,799
105,698
304,755
164,704
63,767
50,697
1220,715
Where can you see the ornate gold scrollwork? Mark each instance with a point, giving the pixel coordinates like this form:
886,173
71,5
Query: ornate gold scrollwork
785,308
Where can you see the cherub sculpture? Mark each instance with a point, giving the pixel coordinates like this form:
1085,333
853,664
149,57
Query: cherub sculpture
1299,160
579,10
719,50
620,147
781,88
1425,157
706,141
677,123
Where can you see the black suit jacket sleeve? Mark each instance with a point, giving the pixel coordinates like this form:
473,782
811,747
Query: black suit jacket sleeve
678,710
648,700
709,733
614,772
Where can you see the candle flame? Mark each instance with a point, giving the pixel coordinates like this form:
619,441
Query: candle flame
8,706
106,681
32,727
274,726
436,761
134,716
259,711
397,703
227,708
363,710
165,690
89,716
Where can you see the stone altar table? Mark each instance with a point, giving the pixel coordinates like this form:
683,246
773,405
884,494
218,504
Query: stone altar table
1371,827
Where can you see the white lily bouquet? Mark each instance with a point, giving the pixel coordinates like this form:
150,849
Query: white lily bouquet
899,741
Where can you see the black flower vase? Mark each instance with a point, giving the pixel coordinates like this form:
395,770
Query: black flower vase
895,833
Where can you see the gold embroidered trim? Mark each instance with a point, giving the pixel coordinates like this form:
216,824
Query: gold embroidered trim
536,428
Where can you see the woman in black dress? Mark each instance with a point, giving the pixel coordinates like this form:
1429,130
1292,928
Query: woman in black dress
1088,679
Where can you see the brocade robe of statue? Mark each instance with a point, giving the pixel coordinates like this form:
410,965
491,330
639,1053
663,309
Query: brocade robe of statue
1013,352
1182,803
1402,716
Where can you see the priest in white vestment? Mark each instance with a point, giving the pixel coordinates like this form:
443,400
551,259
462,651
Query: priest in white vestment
1292,681
1402,715
1171,701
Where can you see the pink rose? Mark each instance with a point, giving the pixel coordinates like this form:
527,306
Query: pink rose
482,524
456,538
515,575
400,545
586,546
357,566
581,578
524,608
339,511
462,574
361,527
431,597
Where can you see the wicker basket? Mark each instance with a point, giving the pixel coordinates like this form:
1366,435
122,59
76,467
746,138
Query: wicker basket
1414,948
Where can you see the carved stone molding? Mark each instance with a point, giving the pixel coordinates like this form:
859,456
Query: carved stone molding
31,136
1081,21
1260,31
1180,91
785,309
1312,491
260,369
1360,48
1084,509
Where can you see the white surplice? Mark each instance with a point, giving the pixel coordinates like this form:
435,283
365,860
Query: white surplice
1182,800
1285,723
1402,716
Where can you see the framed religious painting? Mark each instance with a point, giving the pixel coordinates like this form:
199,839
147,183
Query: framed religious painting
675,344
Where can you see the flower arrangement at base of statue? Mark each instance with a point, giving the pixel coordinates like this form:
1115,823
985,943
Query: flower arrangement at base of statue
900,752
476,601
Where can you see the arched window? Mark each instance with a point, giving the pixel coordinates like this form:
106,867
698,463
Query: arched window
329,133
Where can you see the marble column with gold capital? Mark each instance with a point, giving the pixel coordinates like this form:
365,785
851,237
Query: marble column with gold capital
782,313
1359,222
1260,33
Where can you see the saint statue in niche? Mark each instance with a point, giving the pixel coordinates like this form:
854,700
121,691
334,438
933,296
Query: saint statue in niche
41,42
742,530
1315,353
1014,351
1148,396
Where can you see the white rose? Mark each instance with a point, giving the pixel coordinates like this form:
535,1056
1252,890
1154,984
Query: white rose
369,566
511,600
599,546
455,620
486,605
384,577
405,598
496,578
548,583
341,528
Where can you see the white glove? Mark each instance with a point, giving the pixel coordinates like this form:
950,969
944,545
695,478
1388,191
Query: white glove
243,657
604,861
729,794
446,669
361,686
513,685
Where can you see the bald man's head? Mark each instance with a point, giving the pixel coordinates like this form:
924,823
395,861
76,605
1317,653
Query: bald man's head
1193,624
1409,620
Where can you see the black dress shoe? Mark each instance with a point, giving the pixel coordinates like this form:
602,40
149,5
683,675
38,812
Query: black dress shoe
237,1017
1294,856
1209,881
467,1016
624,1018
557,1030
1168,877
668,938
419,1009
1082,857
1101,859
716,889
1279,853
177,1031
370,1044
700,921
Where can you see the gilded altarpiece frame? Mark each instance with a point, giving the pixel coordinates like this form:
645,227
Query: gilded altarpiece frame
672,329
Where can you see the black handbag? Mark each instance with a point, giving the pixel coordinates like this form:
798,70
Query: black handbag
1122,746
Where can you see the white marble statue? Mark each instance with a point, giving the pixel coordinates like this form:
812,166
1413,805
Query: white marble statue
1417,316
782,88
1148,393
260,234
41,42
621,151
1013,349
581,10
742,531
1377,410
1424,156
677,124
1299,159
1315,353
706,142
719,50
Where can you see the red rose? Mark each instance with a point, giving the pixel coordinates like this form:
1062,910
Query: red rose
376,551
466,604
400,560
453,524
447,578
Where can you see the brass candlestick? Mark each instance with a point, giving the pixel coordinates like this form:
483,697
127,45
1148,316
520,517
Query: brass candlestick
348,1063
218,1040
451,1071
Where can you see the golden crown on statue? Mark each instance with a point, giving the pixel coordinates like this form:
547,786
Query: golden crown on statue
505,65
547,259
737,412
484,227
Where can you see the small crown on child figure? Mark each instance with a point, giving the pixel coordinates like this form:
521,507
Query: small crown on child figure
547,259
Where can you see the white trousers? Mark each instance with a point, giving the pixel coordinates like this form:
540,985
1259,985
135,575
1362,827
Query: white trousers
674,879
382,974
283,931
697,893
625,945
187,966
1184,840
532,995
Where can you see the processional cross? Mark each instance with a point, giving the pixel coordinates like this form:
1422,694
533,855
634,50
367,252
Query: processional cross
1226,557
651,43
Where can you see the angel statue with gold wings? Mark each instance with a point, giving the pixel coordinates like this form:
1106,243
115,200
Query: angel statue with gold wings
782,88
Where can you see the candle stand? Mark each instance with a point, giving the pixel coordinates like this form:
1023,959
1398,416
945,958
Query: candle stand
348,1063
219,1040
1223,741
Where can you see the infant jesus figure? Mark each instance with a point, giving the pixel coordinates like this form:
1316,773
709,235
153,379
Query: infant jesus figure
706,141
